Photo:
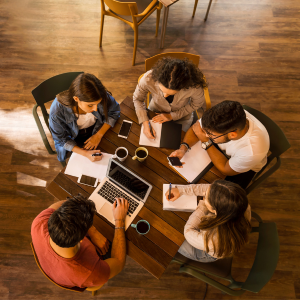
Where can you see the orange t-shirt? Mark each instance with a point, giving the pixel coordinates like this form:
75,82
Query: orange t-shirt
85,269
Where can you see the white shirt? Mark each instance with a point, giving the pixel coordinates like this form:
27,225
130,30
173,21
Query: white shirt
85,120
250,151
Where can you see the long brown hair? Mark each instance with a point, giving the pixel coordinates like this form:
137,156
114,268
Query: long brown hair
88,88
229,226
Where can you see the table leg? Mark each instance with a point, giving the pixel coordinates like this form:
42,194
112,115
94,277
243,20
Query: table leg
164,26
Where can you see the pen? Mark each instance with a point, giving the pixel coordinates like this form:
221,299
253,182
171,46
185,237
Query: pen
151,131
96,154
170,188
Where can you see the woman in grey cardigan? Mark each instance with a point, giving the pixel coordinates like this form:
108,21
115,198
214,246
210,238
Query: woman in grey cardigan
176,87
220,225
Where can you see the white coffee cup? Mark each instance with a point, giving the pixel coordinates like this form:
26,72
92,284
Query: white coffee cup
118,157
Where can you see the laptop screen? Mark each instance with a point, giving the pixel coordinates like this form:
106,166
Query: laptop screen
128,180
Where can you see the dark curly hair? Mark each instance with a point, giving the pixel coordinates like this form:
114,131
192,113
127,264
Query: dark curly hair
69,224
224,117
177,74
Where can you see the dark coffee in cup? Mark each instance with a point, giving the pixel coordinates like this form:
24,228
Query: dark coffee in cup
141,154
121,153
142,227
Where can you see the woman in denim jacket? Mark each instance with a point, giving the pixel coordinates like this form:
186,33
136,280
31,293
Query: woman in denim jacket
80,116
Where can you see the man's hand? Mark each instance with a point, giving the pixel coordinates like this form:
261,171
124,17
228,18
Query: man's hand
92,142
174,194
201,135
147,131
161,118
120,208
99,240
179,153
89,155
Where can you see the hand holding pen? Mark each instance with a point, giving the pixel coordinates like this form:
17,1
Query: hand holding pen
174,194
151,130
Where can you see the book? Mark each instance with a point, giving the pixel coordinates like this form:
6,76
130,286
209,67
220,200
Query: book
183,203
197,163
168,135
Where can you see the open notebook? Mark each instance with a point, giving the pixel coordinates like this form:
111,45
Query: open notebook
183,203
197,163
168,135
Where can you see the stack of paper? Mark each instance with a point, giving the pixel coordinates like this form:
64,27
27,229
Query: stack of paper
78,165
197,163
183,203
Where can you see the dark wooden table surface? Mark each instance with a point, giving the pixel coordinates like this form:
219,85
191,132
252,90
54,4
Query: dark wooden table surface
155,250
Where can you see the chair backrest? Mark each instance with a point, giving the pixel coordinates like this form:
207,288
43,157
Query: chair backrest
150,62
267,254
48,89
278,140
73,289
122,8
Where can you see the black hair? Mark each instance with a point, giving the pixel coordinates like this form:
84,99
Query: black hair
177,74
69,224
224,117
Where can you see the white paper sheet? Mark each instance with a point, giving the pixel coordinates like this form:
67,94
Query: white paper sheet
78,165
196,160
183,203
144,141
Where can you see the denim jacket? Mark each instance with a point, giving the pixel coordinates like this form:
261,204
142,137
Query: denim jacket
63,124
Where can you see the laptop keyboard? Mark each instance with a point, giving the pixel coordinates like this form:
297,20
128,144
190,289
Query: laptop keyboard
110,193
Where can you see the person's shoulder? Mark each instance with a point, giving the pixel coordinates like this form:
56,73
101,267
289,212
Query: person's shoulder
147,77
56,108
41,218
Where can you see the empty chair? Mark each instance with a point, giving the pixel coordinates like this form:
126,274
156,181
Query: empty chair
132,13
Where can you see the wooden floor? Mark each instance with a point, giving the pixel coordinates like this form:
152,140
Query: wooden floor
250,52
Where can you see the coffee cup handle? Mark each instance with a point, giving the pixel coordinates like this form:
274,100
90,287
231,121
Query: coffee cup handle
114,156
135,157
133,225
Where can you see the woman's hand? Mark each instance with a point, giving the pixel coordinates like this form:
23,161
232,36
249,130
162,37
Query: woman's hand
174,194
147,131
89,155
92,142
161,118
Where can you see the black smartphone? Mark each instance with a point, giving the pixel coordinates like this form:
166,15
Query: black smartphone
87,180
174,161
125,129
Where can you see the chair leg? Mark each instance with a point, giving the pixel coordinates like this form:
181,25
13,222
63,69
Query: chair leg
101,30
94,293
208,8
157,21
195,7
136,35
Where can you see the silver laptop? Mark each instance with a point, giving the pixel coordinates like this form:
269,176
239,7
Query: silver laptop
120,183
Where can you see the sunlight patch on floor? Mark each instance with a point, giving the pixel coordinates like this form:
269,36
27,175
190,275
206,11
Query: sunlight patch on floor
30,180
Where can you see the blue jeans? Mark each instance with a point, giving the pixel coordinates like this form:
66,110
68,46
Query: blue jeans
193,253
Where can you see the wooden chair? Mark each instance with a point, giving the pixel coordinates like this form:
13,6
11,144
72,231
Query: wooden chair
207,11
278,145
132,13
263,268
150,62
45,92
73,289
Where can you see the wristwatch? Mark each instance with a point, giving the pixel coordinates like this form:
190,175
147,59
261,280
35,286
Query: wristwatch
206,145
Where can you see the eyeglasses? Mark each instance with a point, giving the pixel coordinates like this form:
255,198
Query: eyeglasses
214,138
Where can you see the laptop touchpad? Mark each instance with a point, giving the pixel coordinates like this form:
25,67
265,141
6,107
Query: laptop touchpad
106,211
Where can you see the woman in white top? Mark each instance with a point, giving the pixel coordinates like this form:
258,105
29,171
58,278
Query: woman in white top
80,116
220,225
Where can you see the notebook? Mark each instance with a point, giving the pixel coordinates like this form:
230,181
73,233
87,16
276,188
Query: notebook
183,203
197,163
168,135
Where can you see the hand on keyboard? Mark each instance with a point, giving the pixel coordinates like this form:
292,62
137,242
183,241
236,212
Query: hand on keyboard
120,208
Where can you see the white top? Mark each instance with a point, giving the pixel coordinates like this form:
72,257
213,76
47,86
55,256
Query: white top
192,233
250,151
85,120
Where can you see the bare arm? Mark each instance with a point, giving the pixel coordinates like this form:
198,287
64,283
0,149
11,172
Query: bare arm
118,251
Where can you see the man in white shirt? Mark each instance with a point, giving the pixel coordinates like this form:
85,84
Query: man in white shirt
235,140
